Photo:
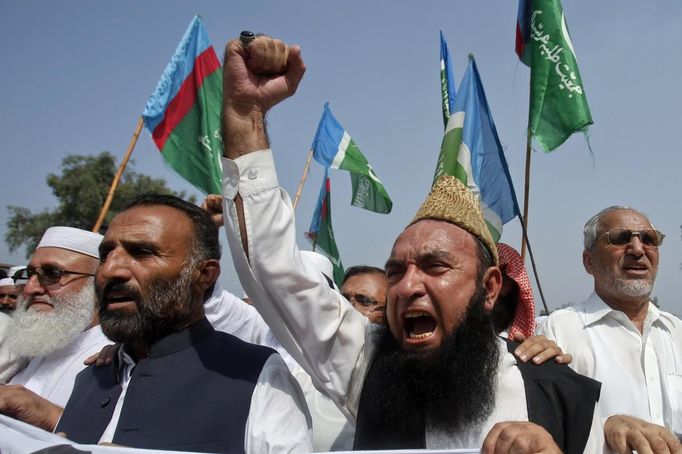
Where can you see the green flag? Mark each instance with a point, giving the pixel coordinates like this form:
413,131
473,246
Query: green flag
321,233
558,105
183,113
333,147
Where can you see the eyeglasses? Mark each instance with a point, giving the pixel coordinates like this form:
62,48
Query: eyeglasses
362,300
47,276
621,237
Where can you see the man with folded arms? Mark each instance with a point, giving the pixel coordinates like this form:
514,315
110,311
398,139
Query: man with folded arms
619,337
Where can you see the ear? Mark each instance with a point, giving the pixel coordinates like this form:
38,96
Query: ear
208,275
587,261
492,281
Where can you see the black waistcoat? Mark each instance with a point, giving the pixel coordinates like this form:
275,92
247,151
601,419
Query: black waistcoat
193,393
557,398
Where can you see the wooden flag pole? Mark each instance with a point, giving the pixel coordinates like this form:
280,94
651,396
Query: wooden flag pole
532,262
297,197
117,177
526,190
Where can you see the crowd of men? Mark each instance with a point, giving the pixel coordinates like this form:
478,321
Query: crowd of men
434,350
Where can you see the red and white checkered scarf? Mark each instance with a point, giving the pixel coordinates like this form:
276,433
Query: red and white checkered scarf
512,266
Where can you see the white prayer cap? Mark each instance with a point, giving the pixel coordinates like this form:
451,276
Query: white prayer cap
6,281
72,239
14,269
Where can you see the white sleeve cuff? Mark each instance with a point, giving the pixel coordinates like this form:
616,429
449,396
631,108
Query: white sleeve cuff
249,174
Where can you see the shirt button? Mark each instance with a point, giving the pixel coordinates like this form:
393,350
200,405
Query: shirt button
105,402
253,174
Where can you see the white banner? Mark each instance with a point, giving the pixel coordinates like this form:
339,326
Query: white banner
19,438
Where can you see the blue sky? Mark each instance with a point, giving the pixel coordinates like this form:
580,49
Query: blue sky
76,76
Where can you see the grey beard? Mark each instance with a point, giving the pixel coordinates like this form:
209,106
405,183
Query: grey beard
632,287
34,333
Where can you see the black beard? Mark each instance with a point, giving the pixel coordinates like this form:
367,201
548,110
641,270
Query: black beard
453,385
165,309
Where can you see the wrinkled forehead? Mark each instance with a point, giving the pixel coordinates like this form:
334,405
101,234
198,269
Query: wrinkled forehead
429,237
60,258
369,280
624,219
150,223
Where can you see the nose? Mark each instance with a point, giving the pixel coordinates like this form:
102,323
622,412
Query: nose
410,285
33,287
116,266
635,247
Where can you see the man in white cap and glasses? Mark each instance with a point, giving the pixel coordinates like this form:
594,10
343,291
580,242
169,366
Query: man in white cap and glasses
55,322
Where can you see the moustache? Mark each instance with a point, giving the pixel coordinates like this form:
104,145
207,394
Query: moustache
115,291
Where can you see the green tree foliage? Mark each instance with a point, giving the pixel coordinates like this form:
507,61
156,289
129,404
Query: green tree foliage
81,190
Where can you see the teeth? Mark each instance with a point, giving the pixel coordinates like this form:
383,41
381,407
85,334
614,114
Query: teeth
415,314
421,336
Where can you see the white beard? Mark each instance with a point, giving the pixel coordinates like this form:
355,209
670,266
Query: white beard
34,333
635,288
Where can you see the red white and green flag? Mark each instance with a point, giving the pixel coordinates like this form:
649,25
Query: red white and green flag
183,113
558,104
321,233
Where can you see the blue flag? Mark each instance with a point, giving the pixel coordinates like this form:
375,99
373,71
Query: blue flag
333,147
472,153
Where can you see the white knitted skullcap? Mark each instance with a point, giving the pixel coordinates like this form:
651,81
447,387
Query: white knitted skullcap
72,239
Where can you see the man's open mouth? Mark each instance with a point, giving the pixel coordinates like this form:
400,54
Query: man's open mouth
118,299
418,325
636,268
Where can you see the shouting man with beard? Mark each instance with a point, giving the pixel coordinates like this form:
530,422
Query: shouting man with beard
619,337
55,324
177,383
436,376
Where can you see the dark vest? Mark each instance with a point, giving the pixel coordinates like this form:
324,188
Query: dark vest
557,398
193,393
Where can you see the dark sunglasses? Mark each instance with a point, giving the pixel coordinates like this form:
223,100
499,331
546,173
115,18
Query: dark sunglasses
362,300
49,275
621,237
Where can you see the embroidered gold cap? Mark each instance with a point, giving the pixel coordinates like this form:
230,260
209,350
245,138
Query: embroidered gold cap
451,201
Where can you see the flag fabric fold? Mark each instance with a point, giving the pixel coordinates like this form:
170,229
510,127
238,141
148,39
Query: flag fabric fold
447,80
183,112
321,233
471,152
333,147
558,104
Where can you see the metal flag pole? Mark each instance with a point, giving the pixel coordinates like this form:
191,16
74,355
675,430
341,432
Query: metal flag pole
117,177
